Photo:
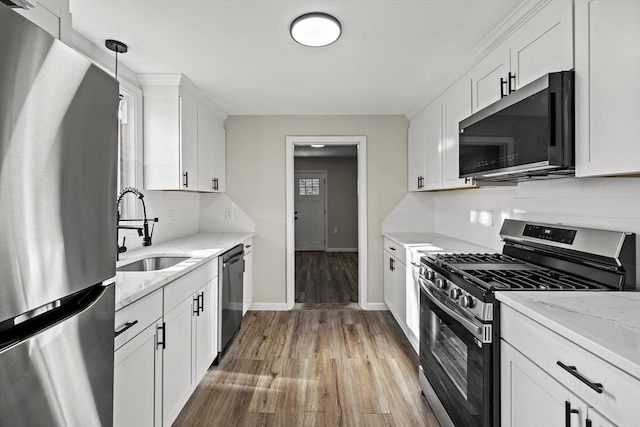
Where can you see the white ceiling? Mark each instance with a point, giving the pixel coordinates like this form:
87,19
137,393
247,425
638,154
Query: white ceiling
390,58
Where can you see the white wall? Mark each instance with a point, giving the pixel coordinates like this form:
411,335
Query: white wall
256,182
477,215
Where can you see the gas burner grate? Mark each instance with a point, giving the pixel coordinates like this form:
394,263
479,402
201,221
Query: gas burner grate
495,258
541,279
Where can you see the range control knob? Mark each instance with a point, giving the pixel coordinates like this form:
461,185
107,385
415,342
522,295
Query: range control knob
467,301
455,293
441,283
429,274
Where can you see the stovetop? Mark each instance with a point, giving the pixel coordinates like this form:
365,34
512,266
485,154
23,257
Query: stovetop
496,272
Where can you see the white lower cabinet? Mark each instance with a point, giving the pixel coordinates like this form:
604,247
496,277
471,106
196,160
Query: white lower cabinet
165,344
395,282
138,380
531,397
548,380
177,381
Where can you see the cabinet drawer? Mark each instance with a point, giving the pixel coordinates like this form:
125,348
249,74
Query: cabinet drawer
620,391
134,318
185,286
248,246
395,249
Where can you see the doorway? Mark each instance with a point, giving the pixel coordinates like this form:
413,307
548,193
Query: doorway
292,186
310,210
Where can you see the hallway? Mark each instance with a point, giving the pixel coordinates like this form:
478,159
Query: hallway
326,277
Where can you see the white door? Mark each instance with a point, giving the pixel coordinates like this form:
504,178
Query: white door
310,211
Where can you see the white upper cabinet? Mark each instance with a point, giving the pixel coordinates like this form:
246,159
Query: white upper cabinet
489,79
211,154
607,87
432,146
544,44
184,144
416,152
456,106
541,45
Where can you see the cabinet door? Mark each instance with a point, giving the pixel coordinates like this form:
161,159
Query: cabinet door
530,397
456,106
137,381
400,299
188,143
177,379
416,152
607,87
247,291
206,135
413,305
489,79
219,158
389,281
543,44
203,334
432,146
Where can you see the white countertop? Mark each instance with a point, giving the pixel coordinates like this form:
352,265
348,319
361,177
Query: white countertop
433,242
200,248
605,323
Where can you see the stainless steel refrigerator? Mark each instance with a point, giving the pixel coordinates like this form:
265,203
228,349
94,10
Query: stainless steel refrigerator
58,154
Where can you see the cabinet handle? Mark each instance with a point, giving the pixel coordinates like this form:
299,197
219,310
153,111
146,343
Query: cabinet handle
588,423
196,305
185,180
392,248
597,387
214,184
503,87
125,327
162,343
512,76
392,266
247,246
201,302
567,413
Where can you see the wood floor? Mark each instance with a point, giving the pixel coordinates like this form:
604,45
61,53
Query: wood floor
326,277
313,368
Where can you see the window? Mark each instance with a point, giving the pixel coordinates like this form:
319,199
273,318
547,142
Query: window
309,187
129,151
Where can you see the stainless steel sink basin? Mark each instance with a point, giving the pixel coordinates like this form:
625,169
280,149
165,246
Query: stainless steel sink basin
152,263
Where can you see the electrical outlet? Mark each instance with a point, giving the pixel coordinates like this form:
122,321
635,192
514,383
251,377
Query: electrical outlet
335,230
170,216
228,213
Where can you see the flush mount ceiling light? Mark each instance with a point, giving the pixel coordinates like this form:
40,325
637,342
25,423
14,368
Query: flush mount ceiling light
315,29
317,145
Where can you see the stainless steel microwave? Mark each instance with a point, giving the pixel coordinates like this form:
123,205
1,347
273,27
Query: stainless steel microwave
527,135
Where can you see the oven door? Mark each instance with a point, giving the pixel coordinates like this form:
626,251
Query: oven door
456,363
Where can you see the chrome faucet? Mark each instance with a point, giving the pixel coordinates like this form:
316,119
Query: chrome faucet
143,230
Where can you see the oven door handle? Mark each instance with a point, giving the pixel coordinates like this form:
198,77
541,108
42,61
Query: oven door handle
468,324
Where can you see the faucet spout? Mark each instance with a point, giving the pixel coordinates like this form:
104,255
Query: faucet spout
143,230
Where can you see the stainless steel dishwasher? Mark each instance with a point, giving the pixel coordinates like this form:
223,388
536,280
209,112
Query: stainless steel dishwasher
231,264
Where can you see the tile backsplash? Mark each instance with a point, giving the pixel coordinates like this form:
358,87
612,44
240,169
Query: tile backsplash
477,215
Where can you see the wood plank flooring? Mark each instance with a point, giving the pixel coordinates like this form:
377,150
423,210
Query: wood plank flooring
326,277
313,368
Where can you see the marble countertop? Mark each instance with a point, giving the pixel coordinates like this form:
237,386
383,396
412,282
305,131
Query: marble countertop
200,248
605,323
433,242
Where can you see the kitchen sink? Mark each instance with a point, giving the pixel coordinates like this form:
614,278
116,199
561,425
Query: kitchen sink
153,263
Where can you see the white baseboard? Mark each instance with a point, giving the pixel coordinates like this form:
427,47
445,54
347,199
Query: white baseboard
341,250
375,306
269,306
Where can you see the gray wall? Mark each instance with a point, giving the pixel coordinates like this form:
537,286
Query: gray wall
342,197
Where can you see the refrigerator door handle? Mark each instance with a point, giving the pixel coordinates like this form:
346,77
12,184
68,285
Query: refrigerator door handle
25,326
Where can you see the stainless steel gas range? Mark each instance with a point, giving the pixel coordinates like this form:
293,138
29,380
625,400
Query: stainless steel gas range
459,315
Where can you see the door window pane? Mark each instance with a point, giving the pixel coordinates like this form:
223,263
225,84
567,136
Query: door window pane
309,187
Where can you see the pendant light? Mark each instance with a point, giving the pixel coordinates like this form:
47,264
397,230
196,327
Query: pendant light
117,47
316,29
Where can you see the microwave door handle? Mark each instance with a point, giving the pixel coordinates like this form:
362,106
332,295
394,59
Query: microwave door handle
466,323
552,118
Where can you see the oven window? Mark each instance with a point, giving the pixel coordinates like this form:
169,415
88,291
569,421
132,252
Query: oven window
451,352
